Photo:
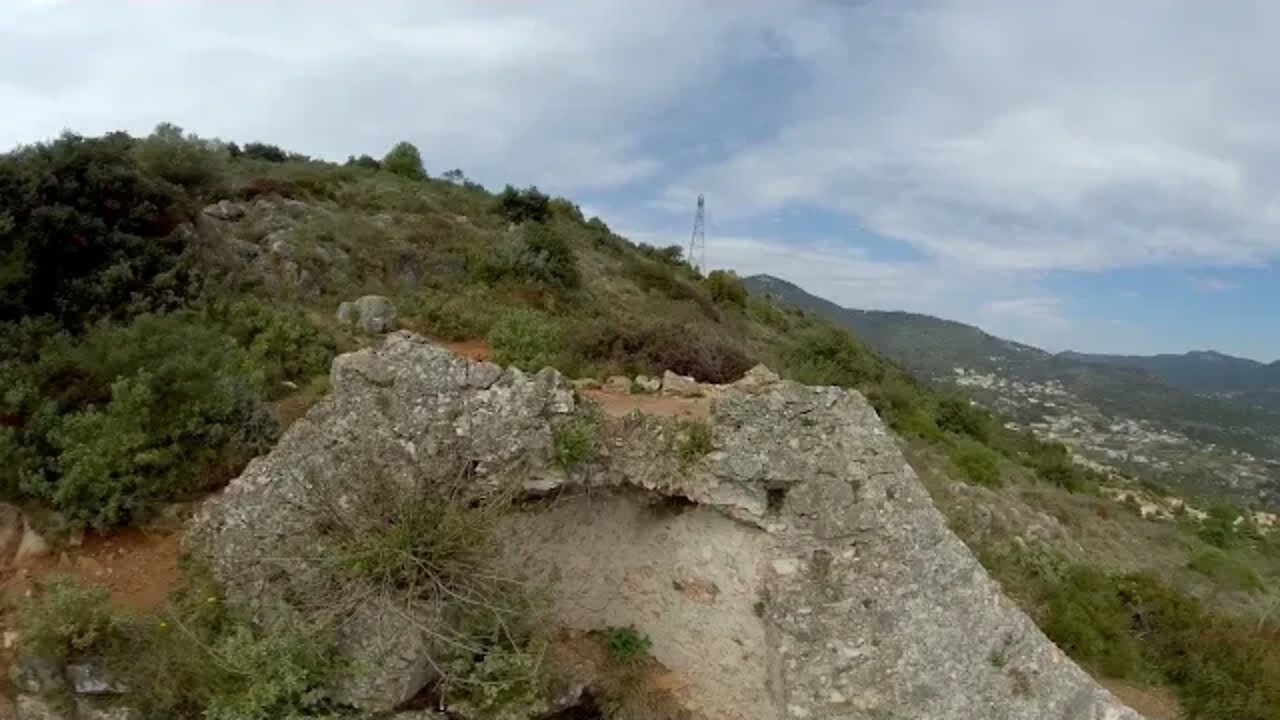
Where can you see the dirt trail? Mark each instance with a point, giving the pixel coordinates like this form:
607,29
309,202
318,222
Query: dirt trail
617,405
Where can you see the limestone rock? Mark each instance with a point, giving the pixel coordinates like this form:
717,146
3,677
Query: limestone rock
95,708
406,412
31,546
225,210
37,675
585,384
90,677
644,383
373,314
679,385
792,567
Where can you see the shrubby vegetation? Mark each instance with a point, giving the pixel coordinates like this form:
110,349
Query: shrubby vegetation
405,160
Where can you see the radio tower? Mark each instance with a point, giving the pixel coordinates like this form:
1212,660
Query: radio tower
698,241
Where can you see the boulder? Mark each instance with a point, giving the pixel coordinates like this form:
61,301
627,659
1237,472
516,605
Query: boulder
373,314
792,567
37,675
90,677
225,210
31,546
680,386
647,384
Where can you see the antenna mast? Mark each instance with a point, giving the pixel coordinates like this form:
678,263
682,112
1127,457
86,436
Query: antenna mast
698,241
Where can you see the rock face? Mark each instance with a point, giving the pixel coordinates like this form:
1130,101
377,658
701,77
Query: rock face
796,570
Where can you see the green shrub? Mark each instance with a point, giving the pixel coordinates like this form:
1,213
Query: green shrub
703,354
142,414
196,165
1090,621
123,217
265,152
669,255
958,415
825,355
977,464
1219,529
283,345
526,339
405,160
726,288
528,205
627,645
505,684
574,444
67,621
1226,569
692,441
541,257
194,659
652,276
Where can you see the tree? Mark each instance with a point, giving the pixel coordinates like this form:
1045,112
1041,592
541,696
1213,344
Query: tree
263,151
405,160
364,161
529,204
455,176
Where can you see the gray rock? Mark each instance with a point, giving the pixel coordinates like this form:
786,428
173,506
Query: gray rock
90,677
797,570
644,383
224,210
407,411
32,707
680,386
37,675
373,314
31,546
94,708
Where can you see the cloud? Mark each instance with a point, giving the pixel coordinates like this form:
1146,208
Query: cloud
1212,284
1093,136
561,94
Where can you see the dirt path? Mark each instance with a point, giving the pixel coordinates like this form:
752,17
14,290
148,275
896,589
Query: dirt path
617,405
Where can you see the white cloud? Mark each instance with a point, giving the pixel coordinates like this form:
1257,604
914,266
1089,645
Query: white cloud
1006,134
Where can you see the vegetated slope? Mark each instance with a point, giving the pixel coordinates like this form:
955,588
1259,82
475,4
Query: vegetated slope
1119,414
167,303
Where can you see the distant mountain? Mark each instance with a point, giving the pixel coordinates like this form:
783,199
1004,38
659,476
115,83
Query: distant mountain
1204,372
1157,417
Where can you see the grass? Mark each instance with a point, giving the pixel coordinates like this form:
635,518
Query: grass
627,645
692,441
573,444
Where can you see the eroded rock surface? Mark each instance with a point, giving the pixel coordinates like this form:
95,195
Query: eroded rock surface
793,568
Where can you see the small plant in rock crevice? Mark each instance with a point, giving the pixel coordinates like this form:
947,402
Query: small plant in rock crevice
693,440
627,645
574,444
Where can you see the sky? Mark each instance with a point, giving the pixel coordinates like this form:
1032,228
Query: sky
1096,176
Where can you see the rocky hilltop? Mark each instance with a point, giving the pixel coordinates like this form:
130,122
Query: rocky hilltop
791,566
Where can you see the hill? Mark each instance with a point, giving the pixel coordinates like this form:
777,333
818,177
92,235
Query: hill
1206,373
169,305
1121,412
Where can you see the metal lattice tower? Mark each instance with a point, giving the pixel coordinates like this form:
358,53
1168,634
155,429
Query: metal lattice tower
698,241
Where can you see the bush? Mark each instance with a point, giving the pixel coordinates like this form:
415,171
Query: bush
194,659
825,355
141,414
123,220
627,645
459,315
526,339
1090,622
1226,570
198,166
405,160
977,464
726,288
574,444
541,257
528,205
704,355
283,345
669,255
1219,528
958,415
653,276
263,151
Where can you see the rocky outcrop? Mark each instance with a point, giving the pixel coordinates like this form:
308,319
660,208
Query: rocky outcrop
792,567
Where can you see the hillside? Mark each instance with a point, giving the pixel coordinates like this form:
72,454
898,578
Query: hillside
1124,414
170,305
